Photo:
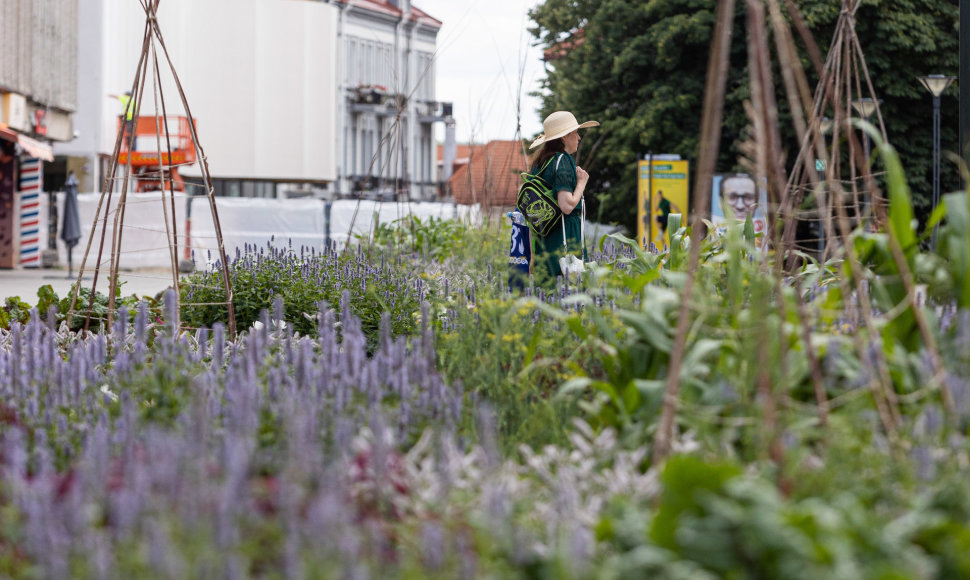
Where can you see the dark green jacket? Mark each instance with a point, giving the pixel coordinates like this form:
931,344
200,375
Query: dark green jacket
561,174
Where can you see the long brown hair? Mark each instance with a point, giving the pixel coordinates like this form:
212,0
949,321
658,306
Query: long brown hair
546,151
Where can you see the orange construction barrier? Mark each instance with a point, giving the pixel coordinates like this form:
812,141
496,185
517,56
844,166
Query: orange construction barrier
150,137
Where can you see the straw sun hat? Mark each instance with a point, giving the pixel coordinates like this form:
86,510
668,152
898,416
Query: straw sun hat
559,124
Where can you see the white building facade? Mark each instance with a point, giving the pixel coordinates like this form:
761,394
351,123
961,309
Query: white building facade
282,92
388,106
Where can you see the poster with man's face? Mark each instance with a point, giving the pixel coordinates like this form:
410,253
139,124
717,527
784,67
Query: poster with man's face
737,195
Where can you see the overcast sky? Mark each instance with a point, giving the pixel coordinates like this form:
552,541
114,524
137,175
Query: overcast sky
482,47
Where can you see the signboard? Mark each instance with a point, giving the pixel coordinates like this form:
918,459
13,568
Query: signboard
8,159
40,121
739,193
15,111
661,191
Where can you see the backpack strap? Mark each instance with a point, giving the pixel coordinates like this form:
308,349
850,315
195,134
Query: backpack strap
582,225
541,169
558,158
562,218
565,248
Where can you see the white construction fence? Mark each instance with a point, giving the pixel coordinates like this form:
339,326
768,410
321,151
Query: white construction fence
296,223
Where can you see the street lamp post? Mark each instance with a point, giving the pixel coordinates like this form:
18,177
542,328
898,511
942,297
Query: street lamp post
824,126
865,107
936,84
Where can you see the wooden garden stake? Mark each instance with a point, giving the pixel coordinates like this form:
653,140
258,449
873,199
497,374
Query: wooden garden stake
710,138
151,39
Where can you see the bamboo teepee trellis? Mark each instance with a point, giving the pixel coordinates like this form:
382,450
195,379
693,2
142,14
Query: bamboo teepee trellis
844,84
844,78
153,46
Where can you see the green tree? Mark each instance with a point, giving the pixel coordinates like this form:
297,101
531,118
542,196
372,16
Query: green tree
905,39
640,68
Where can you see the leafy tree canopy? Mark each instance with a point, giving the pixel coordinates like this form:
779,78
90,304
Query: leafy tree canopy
641,65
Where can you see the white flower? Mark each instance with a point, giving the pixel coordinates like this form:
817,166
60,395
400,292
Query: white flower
111,395
277,327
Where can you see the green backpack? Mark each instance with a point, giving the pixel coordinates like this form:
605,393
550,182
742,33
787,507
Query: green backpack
537,202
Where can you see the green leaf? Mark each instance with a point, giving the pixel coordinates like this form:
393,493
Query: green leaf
652,330
937,216
748,233
901,219
695,364
685,481
575,385
631,397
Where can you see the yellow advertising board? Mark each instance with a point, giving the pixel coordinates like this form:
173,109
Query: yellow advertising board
661,191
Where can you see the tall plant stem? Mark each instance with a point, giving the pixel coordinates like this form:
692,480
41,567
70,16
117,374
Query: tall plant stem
879,383
924,328
710,138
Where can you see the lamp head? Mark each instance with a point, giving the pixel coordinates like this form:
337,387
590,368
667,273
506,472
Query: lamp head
825,125
936,84
865,106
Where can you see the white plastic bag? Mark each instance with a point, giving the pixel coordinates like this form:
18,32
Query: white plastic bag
570,264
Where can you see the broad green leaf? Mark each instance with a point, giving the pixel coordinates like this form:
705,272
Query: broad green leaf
901,219
575,385
686,480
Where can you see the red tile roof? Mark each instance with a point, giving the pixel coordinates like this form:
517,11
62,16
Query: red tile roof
386,7
462,151
491,176
561,49
461,156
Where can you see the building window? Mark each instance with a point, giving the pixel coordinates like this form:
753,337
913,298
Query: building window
425,159
425,76
368,136
236,188
353,147
370,63
388,78
381,147
352,72
346,164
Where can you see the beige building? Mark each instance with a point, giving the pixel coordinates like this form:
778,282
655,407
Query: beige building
290,97
38,97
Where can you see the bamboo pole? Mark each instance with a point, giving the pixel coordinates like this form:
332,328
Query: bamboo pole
206,176
105,202
152,34
707,158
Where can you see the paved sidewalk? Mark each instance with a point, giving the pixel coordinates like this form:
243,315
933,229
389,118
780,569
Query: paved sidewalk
25,282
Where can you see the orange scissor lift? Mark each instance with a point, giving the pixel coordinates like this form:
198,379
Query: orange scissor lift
145,162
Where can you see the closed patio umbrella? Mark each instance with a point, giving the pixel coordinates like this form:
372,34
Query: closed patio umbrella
71,222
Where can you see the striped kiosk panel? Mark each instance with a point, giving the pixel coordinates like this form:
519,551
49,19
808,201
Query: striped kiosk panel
30,185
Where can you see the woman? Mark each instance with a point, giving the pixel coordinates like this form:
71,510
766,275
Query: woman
560,140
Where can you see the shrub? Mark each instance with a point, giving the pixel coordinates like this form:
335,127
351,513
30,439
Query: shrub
303,281
16,310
